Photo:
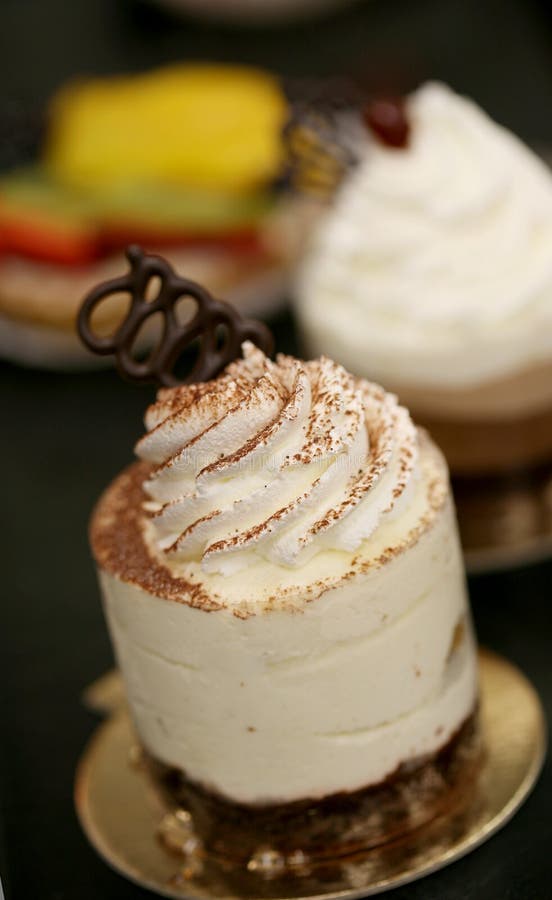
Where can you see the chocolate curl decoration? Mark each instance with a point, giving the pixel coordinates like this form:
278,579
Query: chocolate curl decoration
218,325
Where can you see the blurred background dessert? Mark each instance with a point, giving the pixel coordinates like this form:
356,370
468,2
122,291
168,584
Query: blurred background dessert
432,274
183,159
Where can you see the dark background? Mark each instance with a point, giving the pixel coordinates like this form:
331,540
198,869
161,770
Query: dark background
64,436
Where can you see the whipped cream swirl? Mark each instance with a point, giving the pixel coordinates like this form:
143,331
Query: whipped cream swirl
434,246
283,459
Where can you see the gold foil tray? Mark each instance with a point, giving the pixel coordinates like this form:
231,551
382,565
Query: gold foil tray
121,813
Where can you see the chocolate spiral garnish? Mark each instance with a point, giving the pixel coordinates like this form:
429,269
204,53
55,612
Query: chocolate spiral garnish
218,326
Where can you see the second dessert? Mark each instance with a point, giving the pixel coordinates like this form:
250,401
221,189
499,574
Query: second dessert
432,273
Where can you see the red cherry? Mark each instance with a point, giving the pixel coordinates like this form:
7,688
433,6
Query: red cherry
386,119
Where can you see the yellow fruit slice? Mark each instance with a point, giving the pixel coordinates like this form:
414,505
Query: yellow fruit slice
205,126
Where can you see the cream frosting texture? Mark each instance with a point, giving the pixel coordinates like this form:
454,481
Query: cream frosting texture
434,265
281,460
327,692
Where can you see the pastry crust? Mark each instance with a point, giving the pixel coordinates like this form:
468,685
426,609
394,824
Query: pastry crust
39,301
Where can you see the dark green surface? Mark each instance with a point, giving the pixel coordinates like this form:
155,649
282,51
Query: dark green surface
64,437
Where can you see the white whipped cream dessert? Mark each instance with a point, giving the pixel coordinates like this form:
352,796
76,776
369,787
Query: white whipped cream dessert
433,269
283,584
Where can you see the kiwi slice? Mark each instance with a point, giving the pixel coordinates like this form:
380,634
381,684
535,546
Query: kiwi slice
146,206
30,190
180,209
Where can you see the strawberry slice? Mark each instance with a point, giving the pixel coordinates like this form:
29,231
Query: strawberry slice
47,238
41,220
246,241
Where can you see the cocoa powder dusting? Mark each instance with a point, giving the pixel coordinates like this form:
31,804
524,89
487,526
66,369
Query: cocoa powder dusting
119,547
118,544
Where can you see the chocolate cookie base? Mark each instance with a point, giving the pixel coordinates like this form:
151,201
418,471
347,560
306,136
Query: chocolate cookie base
316,831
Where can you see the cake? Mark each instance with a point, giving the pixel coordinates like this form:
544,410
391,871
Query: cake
285,594
137,158
432,274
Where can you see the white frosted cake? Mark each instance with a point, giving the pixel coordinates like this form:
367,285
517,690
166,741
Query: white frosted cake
284,587
432,273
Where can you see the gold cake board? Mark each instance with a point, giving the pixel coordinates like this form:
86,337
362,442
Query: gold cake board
120,811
